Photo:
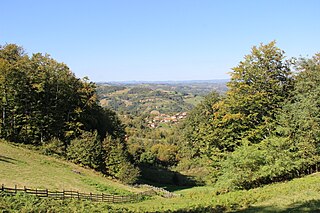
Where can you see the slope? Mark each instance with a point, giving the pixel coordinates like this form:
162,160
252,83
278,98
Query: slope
26,167
23,167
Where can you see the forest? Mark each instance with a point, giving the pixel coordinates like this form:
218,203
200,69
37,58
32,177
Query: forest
264,128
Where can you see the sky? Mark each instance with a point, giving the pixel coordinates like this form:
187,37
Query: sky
158,40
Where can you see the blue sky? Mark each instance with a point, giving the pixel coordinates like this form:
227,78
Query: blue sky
125,40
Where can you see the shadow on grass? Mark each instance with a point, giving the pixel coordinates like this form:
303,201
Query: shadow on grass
308,206
165,178
7,159
216,209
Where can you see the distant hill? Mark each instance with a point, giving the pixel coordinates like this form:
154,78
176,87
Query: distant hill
213,81
142,97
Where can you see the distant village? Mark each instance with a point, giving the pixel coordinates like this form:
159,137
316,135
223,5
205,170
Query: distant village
156,118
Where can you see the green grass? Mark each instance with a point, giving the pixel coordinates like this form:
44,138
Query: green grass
299,195
22,167
25,167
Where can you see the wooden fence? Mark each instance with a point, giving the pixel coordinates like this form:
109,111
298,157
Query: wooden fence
77,195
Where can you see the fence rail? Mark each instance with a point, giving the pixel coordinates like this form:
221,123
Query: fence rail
76,195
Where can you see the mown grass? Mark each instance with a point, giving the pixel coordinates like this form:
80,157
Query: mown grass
22,167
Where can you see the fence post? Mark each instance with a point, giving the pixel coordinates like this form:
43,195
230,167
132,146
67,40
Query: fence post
90,196
78,195
63,194
25,189
15,189
47,192
2,187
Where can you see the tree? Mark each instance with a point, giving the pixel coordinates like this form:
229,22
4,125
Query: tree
117,162
198,125
258,87
300,119
293,147
86,150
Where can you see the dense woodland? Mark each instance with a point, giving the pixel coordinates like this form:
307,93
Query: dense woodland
265,128
44,104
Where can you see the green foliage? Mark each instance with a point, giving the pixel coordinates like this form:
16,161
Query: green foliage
301,117
165,153
86,150
43,103
266,128
128,173
250,166
292,149
117,162
54,147
197,124
258,87
148,158
41,99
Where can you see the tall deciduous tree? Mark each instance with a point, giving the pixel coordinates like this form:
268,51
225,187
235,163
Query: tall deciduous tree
257,89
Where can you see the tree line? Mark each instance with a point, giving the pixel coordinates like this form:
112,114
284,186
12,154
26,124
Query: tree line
265,128
44,104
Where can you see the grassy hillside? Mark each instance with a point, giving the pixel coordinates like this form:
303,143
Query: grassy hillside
23,167
299,195
26,167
